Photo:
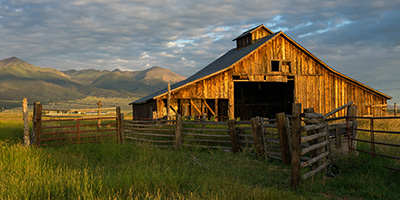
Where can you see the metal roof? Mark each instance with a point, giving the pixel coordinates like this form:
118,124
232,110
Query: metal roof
223,62
233,56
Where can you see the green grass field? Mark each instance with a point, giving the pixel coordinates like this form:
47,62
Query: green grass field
114,171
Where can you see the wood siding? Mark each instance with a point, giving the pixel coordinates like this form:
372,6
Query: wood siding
315,85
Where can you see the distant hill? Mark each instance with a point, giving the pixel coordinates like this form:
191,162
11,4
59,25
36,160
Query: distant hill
19,79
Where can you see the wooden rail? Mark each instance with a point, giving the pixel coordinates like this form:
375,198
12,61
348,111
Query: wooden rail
60,130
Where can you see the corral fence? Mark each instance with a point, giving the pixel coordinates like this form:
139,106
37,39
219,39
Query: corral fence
177,133
281,138
52,128
310,144
373,144
302,140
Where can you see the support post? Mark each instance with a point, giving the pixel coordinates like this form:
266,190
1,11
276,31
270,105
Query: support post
216,109
38,122
283,138
295,164
168,101
178,132
257,136
234,136
26,121
395,109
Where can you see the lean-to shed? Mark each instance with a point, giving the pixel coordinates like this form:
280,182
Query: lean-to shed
262,76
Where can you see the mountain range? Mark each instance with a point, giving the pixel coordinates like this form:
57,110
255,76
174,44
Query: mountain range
19,79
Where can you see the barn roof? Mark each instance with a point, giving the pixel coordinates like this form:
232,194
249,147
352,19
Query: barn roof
234,55
223,62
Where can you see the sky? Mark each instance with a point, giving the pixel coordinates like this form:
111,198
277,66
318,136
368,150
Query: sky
359,38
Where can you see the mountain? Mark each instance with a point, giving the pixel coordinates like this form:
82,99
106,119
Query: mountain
19,79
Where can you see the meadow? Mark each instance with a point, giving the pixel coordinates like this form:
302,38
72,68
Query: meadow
115,171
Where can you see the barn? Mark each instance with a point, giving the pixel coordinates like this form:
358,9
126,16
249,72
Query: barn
262,76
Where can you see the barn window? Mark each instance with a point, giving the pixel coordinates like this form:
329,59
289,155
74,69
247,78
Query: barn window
275,66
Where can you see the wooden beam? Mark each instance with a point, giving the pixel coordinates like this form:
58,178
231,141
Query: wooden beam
216,109
209,108
195,107
337,110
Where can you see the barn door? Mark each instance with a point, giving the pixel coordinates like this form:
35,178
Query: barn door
263,99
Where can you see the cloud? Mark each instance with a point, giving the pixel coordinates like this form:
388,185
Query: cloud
359,38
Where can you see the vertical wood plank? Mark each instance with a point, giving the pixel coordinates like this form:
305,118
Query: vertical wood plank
231,101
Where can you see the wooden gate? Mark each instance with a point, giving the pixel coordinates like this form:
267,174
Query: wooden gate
72,129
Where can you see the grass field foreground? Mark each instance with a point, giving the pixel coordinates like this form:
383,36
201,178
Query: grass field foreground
114,171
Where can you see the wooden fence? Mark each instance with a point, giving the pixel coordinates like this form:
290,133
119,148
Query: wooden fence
57,130
177,133
314,145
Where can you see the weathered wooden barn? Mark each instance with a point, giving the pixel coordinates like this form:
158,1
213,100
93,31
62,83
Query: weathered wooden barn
262,76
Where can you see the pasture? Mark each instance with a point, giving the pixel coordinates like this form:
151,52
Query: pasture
125,171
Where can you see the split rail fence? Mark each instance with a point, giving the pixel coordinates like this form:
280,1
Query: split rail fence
281,138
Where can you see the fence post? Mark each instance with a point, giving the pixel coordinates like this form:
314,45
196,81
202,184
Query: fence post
122,129
26,121
234,136
283,138
296,124
257,136
38,122
372,138
178,132
352,112
119,124
395,109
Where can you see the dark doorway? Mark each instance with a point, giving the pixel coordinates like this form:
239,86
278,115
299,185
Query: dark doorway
263,99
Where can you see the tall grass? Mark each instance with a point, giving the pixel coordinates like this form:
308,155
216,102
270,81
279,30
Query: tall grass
114,171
